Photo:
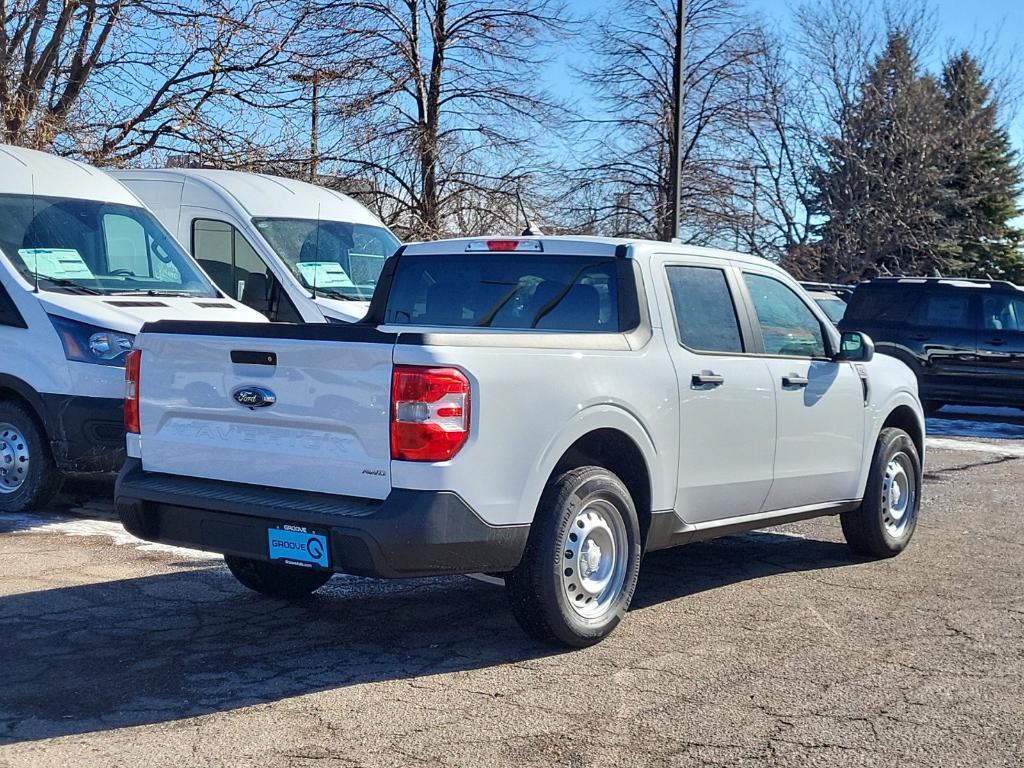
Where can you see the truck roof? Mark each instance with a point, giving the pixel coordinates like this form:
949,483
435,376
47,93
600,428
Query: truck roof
27,172
585,245
258,194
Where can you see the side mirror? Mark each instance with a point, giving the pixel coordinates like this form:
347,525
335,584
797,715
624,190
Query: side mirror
856,346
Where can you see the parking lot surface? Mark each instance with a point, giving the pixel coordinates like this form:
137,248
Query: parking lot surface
773,648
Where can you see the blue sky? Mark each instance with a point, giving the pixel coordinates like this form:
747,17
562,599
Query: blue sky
961,23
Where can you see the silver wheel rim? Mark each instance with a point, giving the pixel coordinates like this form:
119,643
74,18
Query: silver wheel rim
899,495
14,458
594,555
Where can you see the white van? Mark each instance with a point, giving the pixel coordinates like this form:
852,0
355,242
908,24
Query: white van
83,265
293,251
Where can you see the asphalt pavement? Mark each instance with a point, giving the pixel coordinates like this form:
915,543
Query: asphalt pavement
777,648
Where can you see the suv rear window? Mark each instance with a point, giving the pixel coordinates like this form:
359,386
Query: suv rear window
506,291
882,305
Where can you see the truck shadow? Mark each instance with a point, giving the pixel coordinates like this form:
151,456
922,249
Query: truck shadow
161,648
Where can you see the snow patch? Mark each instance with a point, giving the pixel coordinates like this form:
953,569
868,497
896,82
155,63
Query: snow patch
1015,448
77,526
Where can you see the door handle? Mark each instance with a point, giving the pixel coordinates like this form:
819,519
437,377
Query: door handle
707,377
920,337
996,342
794,380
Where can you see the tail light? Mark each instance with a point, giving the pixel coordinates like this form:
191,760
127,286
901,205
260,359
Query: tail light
132,372
429,413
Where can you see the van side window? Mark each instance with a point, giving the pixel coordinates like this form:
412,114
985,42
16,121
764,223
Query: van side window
211,246
238,270
233,264
9,314
130,251
705,313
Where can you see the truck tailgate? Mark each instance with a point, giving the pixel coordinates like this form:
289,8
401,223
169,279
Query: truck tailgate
204,410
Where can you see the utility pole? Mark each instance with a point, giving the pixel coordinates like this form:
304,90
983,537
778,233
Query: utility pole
676,153
753,215
313,78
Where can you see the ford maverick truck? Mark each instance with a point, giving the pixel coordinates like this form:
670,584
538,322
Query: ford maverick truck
545,409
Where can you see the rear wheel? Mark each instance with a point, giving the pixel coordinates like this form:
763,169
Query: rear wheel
276,579
580,567
28,476
886,519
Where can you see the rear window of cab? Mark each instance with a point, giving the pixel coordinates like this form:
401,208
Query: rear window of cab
515,290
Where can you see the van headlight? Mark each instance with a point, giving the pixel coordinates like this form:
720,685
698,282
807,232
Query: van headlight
86,343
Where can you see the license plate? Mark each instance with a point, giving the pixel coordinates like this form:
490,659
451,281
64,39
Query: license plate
297,545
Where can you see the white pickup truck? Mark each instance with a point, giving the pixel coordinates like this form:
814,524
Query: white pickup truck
543,408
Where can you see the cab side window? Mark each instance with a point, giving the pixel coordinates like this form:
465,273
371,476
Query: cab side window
788,326
704,309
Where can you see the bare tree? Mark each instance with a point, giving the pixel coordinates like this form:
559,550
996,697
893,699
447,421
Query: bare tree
434,106
114,79
627,175
774,186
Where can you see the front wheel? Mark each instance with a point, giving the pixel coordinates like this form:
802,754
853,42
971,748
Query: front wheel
885,521
275,579
582,560
28,477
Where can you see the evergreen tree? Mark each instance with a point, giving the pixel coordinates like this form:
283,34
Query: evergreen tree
985,180
882,185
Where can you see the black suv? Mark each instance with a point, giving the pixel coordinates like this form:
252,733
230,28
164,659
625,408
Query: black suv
963,338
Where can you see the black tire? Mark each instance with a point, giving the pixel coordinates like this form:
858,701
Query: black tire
276,579
539,600
25,443
870,530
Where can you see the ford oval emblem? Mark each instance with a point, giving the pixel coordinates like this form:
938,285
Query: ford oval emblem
254,397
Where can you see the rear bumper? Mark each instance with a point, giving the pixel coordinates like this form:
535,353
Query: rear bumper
410,533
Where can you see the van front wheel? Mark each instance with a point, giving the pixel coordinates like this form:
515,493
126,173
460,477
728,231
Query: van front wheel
28,476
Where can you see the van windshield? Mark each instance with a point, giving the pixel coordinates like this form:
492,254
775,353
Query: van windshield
89,246
331,258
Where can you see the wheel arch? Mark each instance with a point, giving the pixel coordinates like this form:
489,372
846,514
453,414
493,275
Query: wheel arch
616,451
13,388
906,418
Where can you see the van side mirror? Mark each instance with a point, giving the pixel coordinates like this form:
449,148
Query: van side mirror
855,346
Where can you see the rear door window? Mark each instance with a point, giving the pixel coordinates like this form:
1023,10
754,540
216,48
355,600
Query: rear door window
507,291
945,310
1002,313
704,309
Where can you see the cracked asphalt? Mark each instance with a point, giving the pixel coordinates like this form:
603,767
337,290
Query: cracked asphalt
774,648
